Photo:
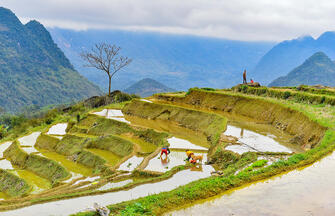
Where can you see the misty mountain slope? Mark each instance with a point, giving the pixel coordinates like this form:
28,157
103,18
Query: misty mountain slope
147,87
318,69
179,61
34,71
287,55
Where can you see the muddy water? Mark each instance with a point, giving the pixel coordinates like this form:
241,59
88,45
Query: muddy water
307,191
3,147
177,143
259,141
111,158
58,129
108,113
69,165
66,207
29,142
121,119
5,164
262,131
131,163
175,158
145,100
172,128
39,184
111,185
112,114
145,146
3,196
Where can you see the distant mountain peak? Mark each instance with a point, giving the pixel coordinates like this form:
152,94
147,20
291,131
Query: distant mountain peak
317,69
305,38
34,24
147,87
8,19
287,55
33,69
327,37
318,56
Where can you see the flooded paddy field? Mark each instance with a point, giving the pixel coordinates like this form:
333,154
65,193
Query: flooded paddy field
111,156
305,191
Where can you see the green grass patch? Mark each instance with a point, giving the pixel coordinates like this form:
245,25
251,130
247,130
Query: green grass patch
13,185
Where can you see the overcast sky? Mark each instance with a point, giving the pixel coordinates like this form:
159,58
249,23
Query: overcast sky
272,20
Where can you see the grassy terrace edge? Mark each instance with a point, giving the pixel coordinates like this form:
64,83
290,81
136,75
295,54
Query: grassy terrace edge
163,202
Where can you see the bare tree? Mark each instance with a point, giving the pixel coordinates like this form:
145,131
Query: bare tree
106,57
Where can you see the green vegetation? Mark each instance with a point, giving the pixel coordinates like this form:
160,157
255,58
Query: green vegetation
297,96
42,166
47,142
100,126
14,126
12,184
90,131
117,145
323,91
317,69
34,71
211,125
163,202
256,164
307,132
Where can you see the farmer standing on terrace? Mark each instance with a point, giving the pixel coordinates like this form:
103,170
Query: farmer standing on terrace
166,151
245,76
189,154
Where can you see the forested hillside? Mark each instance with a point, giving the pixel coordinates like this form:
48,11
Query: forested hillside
319,69
33,70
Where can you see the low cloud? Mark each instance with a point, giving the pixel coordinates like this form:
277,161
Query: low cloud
238,19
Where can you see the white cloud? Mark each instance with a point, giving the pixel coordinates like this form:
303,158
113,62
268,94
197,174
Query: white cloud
238,19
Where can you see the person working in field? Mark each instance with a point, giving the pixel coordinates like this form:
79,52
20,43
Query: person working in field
245,77
166,151
189,154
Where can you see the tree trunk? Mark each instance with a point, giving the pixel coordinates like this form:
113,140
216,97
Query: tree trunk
109,89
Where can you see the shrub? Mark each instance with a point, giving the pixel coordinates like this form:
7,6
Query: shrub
208,89
286,94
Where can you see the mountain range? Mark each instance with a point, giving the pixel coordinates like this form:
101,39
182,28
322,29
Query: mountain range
34,71
317,69
178,61
287,55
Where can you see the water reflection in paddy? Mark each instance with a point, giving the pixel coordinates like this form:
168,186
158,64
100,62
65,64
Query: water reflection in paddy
29,141
255,141
39,184
68,206
307,191
146,147
58,129
175,158
177,143
5,164
111,158
131,163
111,185
3,147
68,164
194,137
